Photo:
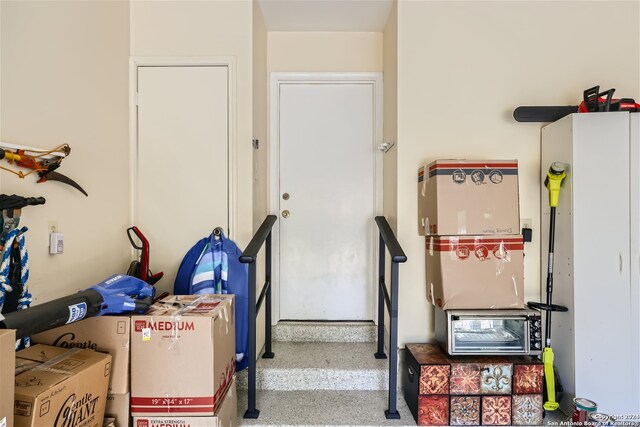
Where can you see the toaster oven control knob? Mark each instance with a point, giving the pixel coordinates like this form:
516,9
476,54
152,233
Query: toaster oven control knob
536,344
536,323
536,334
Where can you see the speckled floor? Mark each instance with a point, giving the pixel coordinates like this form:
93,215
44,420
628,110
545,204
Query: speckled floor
332,408
323,408
331,383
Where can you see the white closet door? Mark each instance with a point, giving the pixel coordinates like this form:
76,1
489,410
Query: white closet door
182,160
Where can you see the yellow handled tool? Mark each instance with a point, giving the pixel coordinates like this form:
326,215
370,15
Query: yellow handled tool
553,181
555,175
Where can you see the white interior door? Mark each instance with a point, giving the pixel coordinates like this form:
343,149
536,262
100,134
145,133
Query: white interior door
182,160
326,183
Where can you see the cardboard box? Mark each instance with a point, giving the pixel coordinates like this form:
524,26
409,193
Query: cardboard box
66,387
182,355
225,416
118,408
468,197
7,368
475,272
102,333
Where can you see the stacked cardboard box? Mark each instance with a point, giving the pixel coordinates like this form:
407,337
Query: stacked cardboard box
443,390
7,368
224,416
60,387
109,334
183,358
468,212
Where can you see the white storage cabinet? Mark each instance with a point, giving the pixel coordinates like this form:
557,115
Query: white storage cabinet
597,258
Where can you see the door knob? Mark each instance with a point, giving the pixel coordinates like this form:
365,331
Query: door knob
285,213
285,196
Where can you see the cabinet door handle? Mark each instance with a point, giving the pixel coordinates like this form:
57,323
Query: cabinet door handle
621,263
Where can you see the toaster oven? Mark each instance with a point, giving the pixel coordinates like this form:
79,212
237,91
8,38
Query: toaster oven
490,332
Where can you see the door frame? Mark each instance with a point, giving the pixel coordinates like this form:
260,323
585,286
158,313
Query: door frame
232,169
280,78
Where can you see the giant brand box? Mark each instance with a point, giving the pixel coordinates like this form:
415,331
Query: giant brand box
102,333
60,387
468,197
475,272
182,355
225,415
7,368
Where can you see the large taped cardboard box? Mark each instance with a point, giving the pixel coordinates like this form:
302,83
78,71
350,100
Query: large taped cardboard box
118,408
475,272
468,197
225,416
60,387
102,333
182,355
7,368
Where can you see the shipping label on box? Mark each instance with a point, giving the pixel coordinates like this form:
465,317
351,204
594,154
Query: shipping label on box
182,355
7,368
475,272
225,415
65,388
102,333
468,197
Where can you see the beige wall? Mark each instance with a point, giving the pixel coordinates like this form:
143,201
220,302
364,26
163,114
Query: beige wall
324,51
260,156
260,114
208,28
390,69
64,68
462,69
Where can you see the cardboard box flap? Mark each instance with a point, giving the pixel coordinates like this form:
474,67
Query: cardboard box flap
449,166
24,365
57,359
33,382
40,353
43,366
192,305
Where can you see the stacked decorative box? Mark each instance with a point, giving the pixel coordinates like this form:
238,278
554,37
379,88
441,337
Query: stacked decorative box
444,390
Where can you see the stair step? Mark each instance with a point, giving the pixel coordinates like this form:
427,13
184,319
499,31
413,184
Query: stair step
320,366
323,408
325,331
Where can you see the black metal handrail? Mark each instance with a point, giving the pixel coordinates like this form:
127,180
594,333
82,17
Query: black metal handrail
249,257
388,240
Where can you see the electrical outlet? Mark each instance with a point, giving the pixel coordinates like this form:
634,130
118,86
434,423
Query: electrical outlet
526,223
53,227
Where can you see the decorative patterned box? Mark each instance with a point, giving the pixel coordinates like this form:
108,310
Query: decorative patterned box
443,390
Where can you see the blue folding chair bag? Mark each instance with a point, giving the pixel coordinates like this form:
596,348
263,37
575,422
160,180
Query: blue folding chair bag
212,266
